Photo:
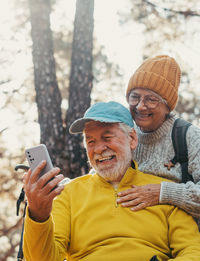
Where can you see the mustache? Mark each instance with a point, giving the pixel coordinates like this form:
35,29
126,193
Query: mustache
104,154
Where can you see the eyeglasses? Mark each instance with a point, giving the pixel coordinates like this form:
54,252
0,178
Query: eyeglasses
149,101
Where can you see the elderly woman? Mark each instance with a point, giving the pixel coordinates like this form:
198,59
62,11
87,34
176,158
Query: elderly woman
152,95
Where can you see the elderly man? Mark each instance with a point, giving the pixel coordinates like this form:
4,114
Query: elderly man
86,222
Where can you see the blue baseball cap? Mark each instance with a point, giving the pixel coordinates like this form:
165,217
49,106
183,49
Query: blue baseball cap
110,112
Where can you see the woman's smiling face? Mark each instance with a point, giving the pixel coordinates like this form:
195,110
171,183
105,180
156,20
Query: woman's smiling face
148,110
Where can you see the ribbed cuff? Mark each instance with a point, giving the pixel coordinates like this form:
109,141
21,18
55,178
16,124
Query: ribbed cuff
171,193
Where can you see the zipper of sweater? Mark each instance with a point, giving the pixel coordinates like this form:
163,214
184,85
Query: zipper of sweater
116,205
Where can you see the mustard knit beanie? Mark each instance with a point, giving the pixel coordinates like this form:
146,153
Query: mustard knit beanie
160,74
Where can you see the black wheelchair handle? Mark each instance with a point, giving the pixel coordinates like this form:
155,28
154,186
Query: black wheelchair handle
21,166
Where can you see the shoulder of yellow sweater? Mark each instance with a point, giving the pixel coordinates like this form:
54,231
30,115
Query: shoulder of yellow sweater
82,180
72,184
152,179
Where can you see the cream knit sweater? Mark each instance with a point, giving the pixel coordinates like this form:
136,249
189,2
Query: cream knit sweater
155,149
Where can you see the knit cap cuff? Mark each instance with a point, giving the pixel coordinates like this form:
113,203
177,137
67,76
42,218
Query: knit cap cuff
171,193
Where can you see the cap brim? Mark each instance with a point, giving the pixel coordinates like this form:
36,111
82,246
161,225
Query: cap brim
79,125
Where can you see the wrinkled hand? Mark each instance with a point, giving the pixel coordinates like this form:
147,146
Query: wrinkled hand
40,193
139,197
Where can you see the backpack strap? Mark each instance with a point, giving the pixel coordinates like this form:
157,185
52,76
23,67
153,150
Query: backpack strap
179,131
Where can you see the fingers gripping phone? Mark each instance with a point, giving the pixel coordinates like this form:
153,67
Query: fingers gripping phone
35,155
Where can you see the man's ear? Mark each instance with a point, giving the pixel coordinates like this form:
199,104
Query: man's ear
134,139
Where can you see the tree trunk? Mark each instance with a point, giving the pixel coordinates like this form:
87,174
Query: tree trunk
48,96
66,150
80,83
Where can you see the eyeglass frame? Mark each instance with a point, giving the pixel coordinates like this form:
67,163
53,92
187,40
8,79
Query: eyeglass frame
159,100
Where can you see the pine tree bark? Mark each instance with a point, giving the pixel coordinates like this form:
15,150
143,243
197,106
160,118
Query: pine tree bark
48,96
80,83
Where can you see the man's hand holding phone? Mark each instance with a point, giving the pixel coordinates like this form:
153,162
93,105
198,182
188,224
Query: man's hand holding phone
40,190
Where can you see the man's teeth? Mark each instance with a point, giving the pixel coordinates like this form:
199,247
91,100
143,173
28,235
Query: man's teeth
103,159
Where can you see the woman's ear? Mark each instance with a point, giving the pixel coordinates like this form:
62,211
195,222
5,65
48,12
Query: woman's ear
134,139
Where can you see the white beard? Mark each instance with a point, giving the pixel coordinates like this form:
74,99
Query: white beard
118,169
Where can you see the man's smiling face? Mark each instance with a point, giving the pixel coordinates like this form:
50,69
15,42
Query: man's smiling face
108,149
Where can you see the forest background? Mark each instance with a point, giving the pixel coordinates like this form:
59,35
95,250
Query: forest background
58,57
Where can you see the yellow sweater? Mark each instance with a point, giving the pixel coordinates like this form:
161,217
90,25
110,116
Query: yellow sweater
87,224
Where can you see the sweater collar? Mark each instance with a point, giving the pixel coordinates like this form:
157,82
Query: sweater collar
154,136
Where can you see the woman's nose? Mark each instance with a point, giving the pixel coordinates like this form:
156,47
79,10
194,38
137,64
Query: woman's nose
140,105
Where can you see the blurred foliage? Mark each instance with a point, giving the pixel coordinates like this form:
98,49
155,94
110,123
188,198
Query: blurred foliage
168,26
10,186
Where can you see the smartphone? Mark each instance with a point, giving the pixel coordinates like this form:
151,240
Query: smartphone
35,155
